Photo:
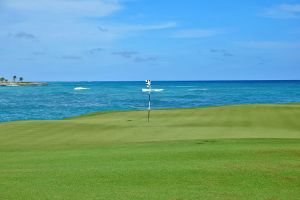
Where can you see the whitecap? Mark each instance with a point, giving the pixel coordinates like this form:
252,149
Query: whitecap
81,88
152,90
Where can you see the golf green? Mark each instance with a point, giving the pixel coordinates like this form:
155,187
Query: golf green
228,152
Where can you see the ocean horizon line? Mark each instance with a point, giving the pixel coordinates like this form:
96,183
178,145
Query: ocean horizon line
241,80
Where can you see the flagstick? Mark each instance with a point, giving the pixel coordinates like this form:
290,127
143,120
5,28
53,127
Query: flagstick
148,84
149,108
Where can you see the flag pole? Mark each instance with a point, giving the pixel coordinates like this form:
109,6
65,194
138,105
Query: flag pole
148,84
149,107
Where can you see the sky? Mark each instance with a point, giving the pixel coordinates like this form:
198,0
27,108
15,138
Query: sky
129,40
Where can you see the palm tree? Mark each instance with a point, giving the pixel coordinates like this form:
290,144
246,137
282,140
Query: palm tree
15,77
21,79
2,79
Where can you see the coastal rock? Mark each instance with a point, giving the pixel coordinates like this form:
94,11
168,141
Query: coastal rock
12,84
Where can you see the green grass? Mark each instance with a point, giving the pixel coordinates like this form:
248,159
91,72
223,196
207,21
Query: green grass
231,152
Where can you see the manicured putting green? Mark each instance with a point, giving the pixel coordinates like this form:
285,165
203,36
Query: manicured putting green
230,152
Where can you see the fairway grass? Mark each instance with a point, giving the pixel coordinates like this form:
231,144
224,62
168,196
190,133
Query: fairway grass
228,152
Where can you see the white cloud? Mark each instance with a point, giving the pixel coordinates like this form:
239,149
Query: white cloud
270,44
122,28
58,20
195,33
70,24
284,11
66,7
69,19
155,26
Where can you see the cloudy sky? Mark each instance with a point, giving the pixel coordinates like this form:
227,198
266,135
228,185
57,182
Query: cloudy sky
67,40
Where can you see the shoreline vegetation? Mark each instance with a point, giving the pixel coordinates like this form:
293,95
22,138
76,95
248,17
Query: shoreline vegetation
19,82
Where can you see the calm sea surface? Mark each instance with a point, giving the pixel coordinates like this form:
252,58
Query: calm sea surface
59,100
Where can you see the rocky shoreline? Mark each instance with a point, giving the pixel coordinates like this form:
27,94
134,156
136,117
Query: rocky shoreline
10,84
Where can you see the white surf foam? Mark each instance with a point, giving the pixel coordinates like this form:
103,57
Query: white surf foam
152,90
81,88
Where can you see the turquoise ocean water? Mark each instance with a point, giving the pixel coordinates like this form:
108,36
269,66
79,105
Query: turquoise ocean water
59,100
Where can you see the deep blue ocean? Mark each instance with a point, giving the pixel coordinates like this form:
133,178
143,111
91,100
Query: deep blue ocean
59,100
